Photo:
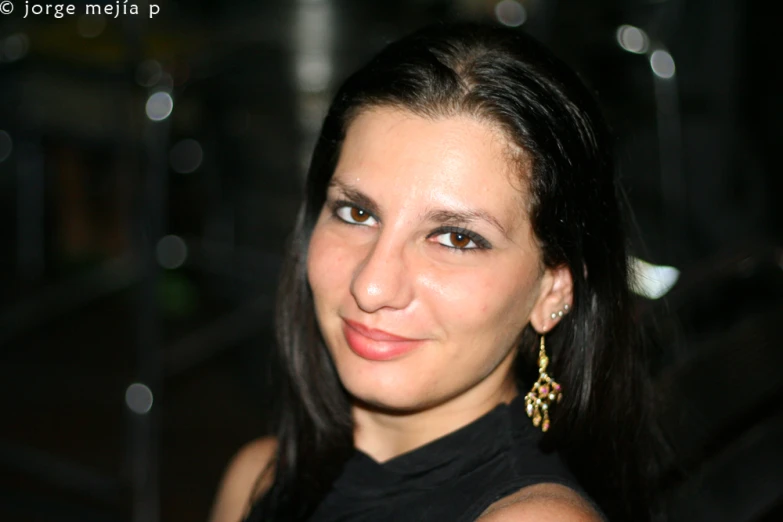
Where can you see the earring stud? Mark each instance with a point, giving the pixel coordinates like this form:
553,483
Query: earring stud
559,313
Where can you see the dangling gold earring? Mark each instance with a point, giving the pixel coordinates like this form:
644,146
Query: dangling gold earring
545,392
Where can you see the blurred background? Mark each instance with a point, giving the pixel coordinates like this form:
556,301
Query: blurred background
150,168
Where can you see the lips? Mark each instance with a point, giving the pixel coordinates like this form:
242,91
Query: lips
376,345
376,335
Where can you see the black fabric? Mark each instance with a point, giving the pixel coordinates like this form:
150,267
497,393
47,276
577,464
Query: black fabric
454,478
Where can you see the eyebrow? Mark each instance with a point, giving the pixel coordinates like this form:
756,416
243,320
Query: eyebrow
442,216
358,197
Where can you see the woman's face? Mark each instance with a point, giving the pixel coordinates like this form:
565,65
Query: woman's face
424,237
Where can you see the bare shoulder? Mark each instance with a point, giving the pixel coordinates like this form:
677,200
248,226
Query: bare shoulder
542,503
240,485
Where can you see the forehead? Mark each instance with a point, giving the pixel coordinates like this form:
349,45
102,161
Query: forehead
450,160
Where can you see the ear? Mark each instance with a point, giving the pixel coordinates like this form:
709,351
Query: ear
556,298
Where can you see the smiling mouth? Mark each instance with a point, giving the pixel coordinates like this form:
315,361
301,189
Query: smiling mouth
376,345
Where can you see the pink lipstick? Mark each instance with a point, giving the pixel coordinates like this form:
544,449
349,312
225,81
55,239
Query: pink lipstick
376,345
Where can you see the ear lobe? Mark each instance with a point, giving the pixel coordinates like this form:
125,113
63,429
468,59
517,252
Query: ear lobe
555,299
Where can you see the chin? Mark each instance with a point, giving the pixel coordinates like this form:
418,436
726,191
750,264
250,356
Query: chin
383,386
391,404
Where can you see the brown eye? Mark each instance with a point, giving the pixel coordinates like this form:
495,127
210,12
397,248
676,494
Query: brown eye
459,240
359,215
354,215
462,241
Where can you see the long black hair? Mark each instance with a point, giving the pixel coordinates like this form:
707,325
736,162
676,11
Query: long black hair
602,428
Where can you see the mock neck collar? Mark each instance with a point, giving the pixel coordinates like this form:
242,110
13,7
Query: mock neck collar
435,462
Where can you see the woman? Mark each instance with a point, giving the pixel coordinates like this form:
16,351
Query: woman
454,320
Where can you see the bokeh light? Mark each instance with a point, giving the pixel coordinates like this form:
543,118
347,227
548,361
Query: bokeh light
652,281
186,156
138,398
15,47
510,13
148,73
632,39
159,106
171,252
662,64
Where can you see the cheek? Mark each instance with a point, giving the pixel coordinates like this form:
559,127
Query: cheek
329,265
478,302
320,260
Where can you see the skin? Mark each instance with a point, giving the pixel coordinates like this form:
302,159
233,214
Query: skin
379,256
394,268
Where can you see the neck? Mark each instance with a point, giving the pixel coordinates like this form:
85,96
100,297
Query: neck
385,434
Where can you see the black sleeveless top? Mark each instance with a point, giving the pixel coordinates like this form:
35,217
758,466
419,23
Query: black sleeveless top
453,478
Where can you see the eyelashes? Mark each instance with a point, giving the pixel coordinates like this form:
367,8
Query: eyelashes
458,235
457,239
354,215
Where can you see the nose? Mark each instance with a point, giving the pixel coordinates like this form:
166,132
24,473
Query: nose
382,279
